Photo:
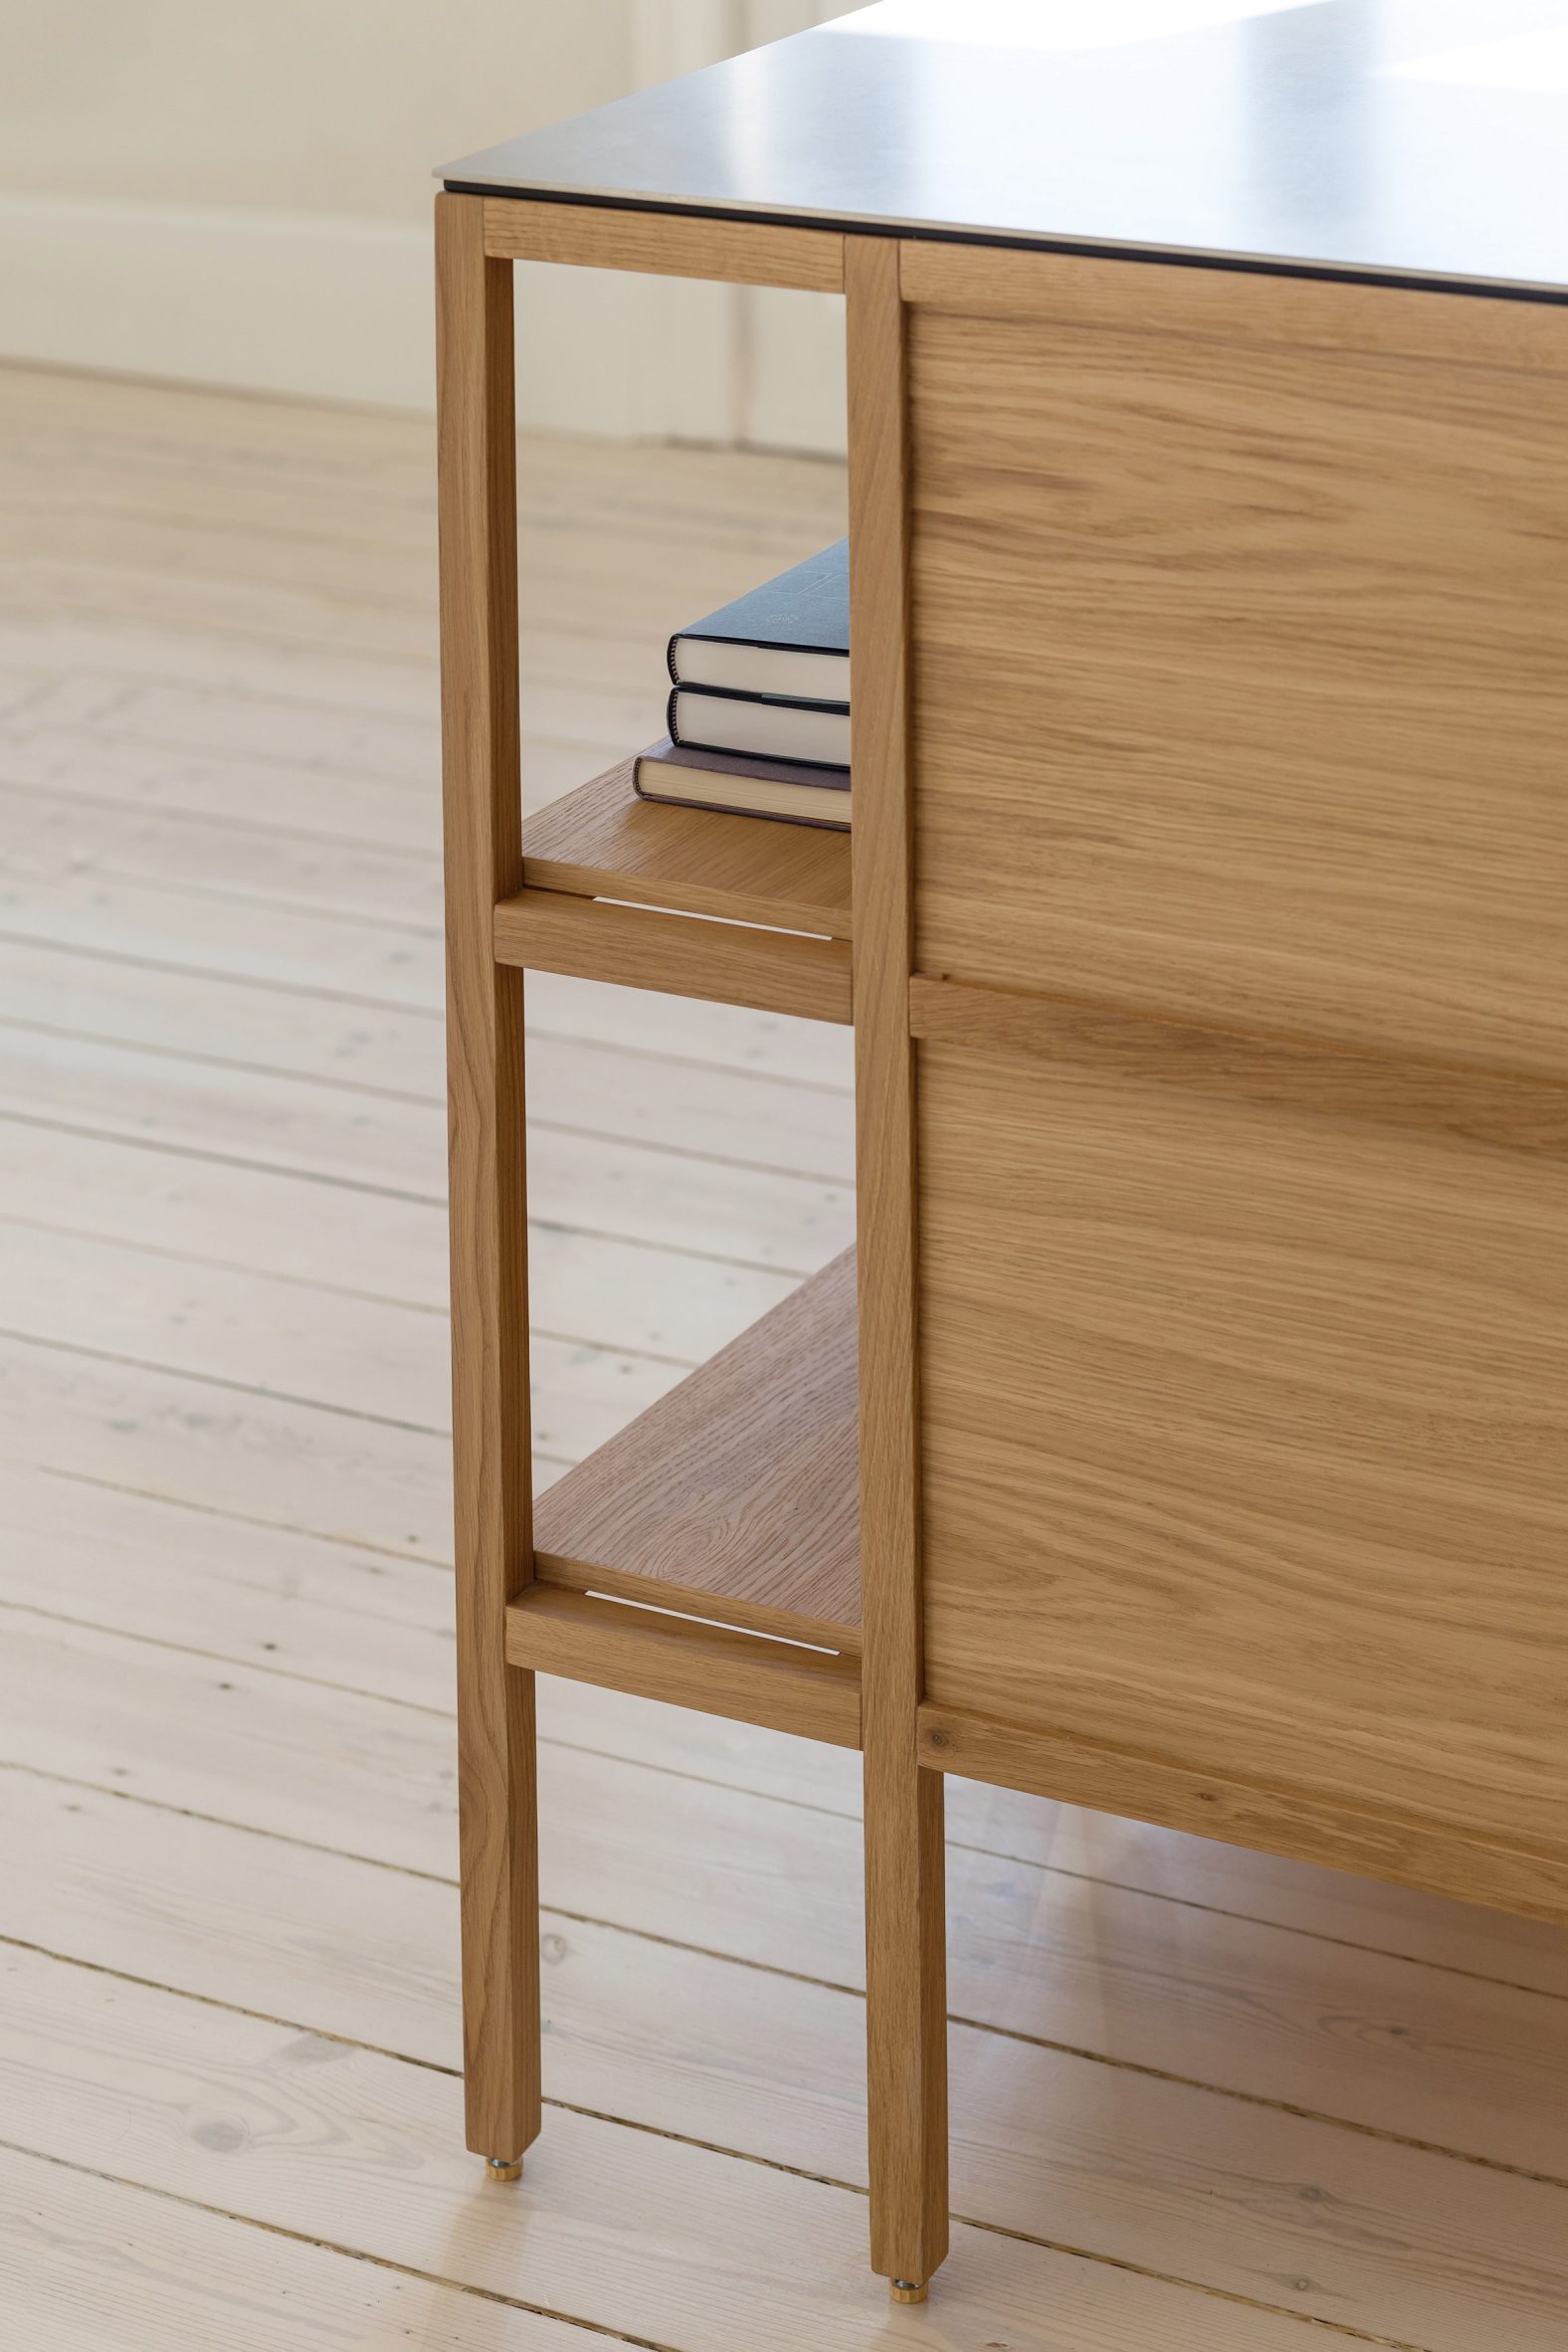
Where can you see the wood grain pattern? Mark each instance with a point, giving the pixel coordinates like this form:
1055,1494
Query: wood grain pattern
1295,760
1446,1099
603,842
1314,313
813,1693
670,244
676,954
736,1494
905,1915
487,1207
1208,1802
1247,1439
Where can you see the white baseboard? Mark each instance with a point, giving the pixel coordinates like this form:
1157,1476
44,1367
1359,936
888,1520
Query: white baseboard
328,307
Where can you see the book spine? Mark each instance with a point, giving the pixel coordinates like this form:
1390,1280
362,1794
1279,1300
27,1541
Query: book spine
718,808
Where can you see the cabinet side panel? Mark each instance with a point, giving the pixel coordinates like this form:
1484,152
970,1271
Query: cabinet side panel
1241,688
1245,1440
1240,699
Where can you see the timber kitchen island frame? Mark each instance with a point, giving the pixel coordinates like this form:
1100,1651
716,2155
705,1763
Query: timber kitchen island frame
1192,1442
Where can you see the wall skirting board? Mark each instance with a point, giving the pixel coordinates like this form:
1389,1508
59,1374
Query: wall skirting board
330,306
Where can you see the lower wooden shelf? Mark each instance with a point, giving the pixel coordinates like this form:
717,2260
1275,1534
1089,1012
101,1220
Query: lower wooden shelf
735,1497
727,1516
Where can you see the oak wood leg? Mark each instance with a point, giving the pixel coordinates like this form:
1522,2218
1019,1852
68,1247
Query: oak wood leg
490,1312
906,1925
905,2023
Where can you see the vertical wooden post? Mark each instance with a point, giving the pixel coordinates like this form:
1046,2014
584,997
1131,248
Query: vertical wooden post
906,1918
488,1210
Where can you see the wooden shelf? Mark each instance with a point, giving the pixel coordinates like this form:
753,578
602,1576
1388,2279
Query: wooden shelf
738,910
602,842
729,1512
734,1499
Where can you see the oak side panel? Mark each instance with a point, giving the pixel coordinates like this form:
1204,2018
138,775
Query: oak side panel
1241,676
1209,1802
906,1922
488,1214
1317,313
669,243
1245,1440
1404,1090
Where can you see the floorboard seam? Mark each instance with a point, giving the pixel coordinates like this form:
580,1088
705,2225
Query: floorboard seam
687,1251
332,1085
1379,2133
717,1781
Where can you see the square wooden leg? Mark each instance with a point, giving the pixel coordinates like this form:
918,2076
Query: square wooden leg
501,1929
482,803
905,2023
906,1918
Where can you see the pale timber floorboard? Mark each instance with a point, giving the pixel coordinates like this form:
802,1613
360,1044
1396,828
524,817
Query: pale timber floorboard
89,2262
650,1190
1201,2098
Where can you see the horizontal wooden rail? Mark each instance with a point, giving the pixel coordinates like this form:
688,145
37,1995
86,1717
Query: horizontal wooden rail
676,954
1514,1110
1235,306
668,243
1312,1825
688,1663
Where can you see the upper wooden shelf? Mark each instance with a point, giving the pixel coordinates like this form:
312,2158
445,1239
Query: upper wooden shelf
735,1497
602,842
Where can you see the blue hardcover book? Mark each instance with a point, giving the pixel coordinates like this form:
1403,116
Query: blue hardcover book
788,640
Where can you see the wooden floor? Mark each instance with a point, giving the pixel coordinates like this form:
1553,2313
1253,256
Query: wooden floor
1203,2102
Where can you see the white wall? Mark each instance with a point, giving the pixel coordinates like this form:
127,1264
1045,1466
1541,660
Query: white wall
791,344
238,192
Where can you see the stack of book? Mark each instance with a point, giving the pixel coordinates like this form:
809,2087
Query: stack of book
759,702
